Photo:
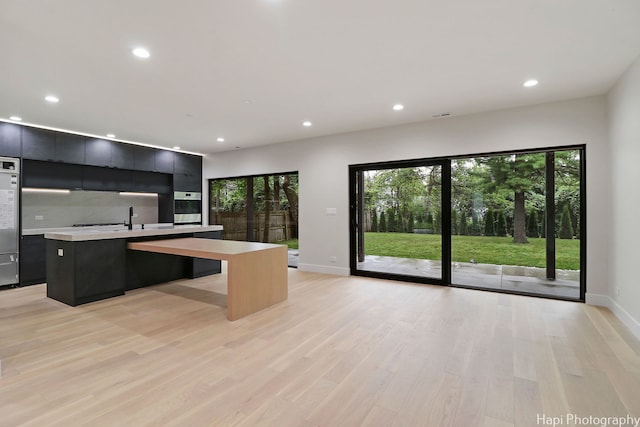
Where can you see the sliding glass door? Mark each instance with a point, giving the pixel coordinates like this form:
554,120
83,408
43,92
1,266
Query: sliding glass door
516,222
398,216
512,222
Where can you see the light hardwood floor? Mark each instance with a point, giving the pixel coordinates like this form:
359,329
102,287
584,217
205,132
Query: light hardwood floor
341,351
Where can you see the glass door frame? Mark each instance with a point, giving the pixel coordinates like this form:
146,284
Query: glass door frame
356,171
445,164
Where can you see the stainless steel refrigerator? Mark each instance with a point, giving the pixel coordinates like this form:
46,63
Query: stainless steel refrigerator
9,223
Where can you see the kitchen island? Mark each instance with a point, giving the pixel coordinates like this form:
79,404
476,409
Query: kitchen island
90,265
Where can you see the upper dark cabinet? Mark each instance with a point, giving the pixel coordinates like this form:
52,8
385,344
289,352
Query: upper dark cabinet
164,161
9,139
188,164
122,155
144,158
51,175
70,148
38,144
151,182
98,152
106,179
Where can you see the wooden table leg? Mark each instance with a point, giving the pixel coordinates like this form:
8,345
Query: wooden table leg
256,280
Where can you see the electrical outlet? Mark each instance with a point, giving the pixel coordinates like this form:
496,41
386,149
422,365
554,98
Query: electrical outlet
60,252
332,259
39,217
135,215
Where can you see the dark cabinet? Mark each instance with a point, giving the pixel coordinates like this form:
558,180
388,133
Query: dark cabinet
38,144
70,148
188,172
98,152
86,271
144,159
9,139
199,267
164,161
187,164
105,179
122,155
33,260
182,182
151,182
51,175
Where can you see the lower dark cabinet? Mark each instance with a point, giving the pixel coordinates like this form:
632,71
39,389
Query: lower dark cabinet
33,260
200,267
86,271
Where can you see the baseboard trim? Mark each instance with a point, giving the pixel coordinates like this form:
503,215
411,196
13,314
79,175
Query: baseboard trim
617,309
314,268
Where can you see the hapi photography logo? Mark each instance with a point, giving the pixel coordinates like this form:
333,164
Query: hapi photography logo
590,420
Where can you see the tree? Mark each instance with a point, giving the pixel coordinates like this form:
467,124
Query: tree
290,189
374,221
489,229
501,224
532,224
518,173
410,223
267,210
566,227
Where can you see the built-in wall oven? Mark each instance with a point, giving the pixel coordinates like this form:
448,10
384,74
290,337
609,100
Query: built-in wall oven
187,207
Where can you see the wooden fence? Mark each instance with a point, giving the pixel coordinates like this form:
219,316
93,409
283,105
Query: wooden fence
235,225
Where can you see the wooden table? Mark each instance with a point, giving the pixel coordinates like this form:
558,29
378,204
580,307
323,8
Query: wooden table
256,272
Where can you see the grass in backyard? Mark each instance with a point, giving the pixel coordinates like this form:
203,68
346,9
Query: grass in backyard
484,250
292,244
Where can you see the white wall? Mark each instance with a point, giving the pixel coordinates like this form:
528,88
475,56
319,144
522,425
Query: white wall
624,131
323,166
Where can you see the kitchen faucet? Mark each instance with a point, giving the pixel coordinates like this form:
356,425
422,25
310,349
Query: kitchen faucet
130,225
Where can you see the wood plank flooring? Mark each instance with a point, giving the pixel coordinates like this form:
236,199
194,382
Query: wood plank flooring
341,351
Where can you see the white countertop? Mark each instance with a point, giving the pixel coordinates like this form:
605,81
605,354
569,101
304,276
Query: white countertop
76,234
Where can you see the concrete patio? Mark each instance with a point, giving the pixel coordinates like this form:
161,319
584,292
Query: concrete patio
490,276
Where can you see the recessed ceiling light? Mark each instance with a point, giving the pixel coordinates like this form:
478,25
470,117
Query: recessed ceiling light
176,148
530,83
111,135
220,139
51,98
398,107
141,52
15,118
306,124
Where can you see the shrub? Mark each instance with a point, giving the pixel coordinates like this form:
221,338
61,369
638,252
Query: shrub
489,228
566,228
532,224
374,221
383,223
501,224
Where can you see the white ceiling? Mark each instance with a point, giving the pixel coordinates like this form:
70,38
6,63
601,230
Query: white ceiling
253,70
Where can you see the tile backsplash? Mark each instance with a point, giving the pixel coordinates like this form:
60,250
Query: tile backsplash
85,207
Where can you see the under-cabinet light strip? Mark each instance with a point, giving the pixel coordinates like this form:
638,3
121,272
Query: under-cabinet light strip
44,190
126,193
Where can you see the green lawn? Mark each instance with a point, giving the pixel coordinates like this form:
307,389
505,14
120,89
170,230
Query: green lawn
292,244
484,250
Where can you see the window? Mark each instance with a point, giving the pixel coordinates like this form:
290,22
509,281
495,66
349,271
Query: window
260,208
